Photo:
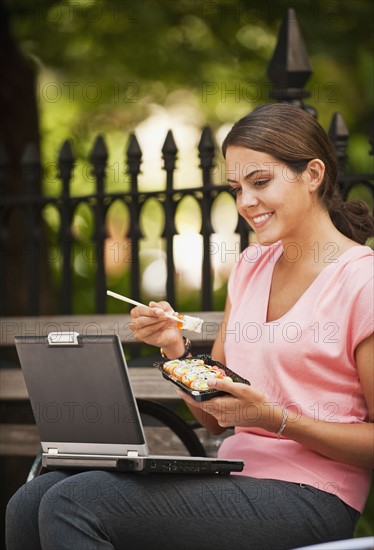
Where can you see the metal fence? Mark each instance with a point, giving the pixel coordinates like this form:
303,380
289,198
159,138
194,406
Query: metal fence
288,86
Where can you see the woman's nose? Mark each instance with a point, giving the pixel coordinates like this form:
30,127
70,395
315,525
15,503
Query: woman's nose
249,197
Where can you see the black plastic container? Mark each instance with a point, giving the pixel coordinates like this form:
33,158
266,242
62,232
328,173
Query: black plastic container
200,395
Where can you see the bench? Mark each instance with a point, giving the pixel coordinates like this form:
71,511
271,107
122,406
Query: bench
18,434
21,440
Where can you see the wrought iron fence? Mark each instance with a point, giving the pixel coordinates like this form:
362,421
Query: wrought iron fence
288,79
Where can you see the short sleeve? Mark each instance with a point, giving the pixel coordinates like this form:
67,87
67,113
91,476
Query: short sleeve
361,323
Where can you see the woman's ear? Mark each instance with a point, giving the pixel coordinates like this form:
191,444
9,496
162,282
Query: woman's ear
314,173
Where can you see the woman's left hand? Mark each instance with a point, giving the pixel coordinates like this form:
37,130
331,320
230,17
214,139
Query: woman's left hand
244,406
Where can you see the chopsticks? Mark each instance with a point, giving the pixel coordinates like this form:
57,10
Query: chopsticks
135,303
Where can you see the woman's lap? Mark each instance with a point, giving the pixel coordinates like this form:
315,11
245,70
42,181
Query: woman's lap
105,510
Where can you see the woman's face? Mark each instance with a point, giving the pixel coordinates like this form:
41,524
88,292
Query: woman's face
275,201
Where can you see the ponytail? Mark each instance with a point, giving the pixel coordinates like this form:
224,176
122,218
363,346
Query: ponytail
353,218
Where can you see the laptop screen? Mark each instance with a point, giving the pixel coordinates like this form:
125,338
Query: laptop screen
80,392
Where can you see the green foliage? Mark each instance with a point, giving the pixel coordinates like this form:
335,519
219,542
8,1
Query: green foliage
106,66
104,63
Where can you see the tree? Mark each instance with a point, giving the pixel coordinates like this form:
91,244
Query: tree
101,65
19,127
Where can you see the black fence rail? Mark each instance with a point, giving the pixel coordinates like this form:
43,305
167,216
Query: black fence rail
288,78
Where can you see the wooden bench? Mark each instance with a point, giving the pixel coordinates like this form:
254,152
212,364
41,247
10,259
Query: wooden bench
20,438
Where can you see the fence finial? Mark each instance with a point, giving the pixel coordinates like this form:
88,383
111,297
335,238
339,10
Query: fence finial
169,151
99,158
65,165
134,159
289,68
206,149
339,135
66,153
99,151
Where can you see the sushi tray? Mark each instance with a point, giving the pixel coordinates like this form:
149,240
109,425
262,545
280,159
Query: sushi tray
192,374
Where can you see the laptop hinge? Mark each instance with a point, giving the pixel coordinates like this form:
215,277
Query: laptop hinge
52,451
132,454
63,338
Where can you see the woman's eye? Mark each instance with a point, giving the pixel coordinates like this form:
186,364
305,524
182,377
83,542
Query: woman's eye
260,183
235,190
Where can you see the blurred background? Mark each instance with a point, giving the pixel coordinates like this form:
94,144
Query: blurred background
76,69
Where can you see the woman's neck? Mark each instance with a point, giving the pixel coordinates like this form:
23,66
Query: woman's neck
318,243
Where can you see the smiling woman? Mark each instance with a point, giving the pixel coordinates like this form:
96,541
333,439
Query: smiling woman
272,198
297,326
282,168
284,144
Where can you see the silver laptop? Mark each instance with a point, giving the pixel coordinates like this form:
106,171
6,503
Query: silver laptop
85,409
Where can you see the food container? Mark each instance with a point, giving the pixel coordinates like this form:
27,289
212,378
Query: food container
191,375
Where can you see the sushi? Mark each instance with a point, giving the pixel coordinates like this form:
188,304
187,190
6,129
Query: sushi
187,322
193,373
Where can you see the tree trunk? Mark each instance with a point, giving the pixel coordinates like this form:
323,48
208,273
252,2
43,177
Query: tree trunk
18,127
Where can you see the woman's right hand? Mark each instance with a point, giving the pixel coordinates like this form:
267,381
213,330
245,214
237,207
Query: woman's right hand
150,325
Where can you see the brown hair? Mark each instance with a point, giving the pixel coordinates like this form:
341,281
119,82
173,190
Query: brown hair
294,137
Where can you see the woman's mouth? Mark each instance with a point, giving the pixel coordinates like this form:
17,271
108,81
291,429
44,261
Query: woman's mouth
261,219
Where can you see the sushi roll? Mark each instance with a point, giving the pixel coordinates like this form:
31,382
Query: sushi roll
220,372
187,322
169,366
195,372
200,384
181,370
194,324
196,362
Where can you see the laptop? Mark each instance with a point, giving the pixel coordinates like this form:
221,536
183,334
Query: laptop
86,412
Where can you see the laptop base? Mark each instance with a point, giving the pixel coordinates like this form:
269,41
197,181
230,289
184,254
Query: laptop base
145,465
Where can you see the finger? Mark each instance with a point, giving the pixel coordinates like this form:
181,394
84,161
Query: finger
145,311
233,388
188,399
165,306
211,406
143,329
144,321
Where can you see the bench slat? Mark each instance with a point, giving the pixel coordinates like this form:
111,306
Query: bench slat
95,325
23,440
147,383
19,440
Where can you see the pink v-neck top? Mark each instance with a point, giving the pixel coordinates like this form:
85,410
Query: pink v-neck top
304,361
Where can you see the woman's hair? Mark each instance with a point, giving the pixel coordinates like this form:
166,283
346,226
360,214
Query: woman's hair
294,137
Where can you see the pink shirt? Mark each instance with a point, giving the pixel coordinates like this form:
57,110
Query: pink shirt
304,361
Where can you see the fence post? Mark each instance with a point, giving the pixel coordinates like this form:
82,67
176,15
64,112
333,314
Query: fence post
65,166
289,68
134,159
339,135
169,154
31,175
99,158
206,153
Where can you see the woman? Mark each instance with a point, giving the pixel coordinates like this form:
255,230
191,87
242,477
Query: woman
298,324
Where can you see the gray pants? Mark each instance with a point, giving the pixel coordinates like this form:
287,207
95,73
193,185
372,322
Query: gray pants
100,510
